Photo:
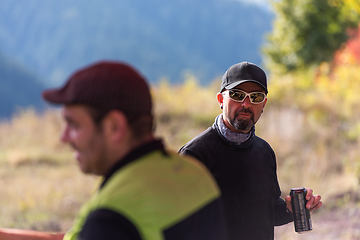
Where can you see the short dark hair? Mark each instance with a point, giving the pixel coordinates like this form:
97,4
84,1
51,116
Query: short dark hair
141,124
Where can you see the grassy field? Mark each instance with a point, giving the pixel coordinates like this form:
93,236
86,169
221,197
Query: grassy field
313,124
40,185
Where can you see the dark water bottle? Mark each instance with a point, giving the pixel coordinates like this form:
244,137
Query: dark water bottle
302,219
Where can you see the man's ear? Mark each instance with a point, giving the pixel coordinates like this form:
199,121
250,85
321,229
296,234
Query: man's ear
115,125
220,98
264,103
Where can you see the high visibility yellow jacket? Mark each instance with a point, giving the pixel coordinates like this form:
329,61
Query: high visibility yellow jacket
163,196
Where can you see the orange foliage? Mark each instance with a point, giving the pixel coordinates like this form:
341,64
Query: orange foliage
350,52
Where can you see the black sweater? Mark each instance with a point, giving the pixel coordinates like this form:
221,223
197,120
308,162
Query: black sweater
246,175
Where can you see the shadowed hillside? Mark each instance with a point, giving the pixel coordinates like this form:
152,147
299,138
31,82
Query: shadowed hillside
18,88
161,38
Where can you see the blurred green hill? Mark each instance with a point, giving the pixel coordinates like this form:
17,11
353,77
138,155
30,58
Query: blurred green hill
161,38
19,88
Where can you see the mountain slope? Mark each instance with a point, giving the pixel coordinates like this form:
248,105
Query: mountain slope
19,88
161,38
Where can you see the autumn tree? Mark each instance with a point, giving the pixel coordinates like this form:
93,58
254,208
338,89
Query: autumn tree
308,32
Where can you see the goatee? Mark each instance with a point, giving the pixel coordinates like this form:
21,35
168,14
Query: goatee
243,125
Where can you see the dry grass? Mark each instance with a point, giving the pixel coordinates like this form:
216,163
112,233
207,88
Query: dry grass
40,185
42,197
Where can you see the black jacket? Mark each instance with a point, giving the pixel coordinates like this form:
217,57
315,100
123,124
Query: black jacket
247,177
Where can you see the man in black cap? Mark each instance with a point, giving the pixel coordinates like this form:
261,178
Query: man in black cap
243,164
147,191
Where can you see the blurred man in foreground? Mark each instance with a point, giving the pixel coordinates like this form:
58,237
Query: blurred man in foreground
243,164
147,192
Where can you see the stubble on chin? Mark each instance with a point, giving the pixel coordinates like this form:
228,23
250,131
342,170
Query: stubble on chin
242,124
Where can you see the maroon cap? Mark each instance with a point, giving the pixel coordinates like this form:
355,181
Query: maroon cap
107,85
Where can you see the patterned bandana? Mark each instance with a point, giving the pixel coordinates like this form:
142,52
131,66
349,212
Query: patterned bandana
235,138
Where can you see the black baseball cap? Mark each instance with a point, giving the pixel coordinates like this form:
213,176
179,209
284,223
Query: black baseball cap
243,72
107,85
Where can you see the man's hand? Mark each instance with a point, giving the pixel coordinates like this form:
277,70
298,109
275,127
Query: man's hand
314,201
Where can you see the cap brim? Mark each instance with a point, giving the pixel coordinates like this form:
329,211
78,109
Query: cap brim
55,96
235,84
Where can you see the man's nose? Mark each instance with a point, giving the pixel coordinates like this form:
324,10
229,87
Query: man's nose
246,103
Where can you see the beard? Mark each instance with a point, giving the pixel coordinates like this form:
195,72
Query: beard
243,125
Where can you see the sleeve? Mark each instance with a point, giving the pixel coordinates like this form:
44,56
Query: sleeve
281,216
106,224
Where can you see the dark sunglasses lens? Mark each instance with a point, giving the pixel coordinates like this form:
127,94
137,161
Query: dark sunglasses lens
239,96
257,97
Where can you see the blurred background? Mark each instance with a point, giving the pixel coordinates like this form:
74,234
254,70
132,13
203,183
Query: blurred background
310,50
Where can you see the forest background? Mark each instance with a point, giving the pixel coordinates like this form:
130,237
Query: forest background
312,120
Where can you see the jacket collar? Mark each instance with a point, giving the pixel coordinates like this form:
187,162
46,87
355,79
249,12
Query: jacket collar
134,155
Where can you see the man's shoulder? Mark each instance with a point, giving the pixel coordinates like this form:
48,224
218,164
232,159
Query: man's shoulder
203,139
152,175
204,147
261,142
